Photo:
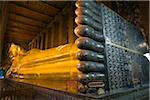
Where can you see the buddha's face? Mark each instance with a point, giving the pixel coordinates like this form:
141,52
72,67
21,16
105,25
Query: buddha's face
15,50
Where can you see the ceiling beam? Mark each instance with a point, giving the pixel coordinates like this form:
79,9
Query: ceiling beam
26,20
46,2
39,6
22,31
19,37
22,25
29,13
16,37
19,34
59,4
